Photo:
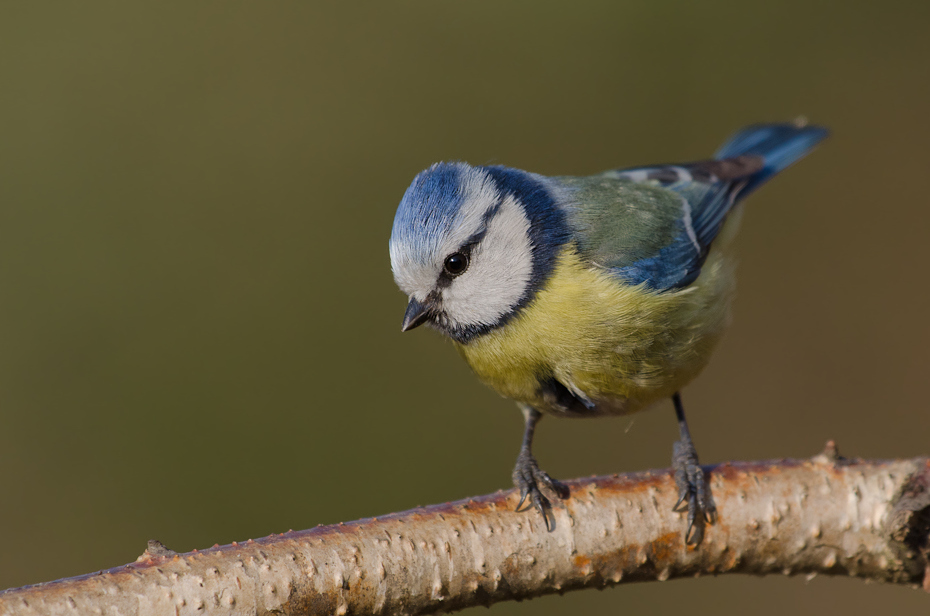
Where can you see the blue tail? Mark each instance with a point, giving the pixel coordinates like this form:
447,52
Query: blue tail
779,144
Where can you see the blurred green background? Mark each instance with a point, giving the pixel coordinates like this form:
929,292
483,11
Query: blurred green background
199,332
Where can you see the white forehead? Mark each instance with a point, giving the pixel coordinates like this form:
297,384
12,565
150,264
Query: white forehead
417,259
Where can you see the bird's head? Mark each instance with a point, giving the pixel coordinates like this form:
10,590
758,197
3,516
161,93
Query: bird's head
471,245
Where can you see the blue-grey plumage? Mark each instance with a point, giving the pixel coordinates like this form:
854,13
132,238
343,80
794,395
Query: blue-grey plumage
583,296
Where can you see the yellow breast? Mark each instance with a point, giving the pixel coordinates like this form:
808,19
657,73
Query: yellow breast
620,346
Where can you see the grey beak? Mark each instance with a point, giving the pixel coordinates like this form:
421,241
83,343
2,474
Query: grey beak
416,315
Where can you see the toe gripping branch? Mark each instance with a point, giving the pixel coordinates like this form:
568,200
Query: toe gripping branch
693,492
539,489
538,486
535,484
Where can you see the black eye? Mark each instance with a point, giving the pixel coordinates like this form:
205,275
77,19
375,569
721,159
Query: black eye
455,264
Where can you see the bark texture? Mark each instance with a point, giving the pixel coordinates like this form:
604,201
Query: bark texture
825,515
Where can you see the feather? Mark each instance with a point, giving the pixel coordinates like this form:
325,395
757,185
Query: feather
655,225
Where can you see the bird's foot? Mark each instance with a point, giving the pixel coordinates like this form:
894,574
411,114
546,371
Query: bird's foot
538,486
693,491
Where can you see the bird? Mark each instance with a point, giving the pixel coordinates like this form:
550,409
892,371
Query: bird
586,296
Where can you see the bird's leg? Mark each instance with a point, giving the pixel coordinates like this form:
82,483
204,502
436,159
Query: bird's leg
689,477
531,481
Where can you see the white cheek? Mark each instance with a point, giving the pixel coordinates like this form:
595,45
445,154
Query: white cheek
499,272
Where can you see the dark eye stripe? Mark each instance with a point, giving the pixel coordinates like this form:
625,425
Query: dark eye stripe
478,235
445,276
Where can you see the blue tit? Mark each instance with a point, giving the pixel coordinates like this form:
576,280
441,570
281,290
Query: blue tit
585,296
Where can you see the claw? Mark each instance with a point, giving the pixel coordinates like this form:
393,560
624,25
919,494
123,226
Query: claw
689,477
544,507
524,491
547,515
693,494
695,537
532,483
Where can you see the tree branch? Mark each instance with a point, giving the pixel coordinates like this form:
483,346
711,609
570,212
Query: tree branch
869,519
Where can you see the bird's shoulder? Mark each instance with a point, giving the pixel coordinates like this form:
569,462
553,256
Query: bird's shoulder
617,221
654,224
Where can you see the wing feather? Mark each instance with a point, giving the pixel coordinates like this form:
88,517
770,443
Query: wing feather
655,225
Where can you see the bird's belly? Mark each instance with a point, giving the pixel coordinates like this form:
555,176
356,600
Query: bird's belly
585,384
589,345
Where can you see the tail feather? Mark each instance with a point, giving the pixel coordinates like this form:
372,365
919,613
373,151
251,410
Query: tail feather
779,145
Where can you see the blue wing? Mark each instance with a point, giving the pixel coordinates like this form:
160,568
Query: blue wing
704,192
